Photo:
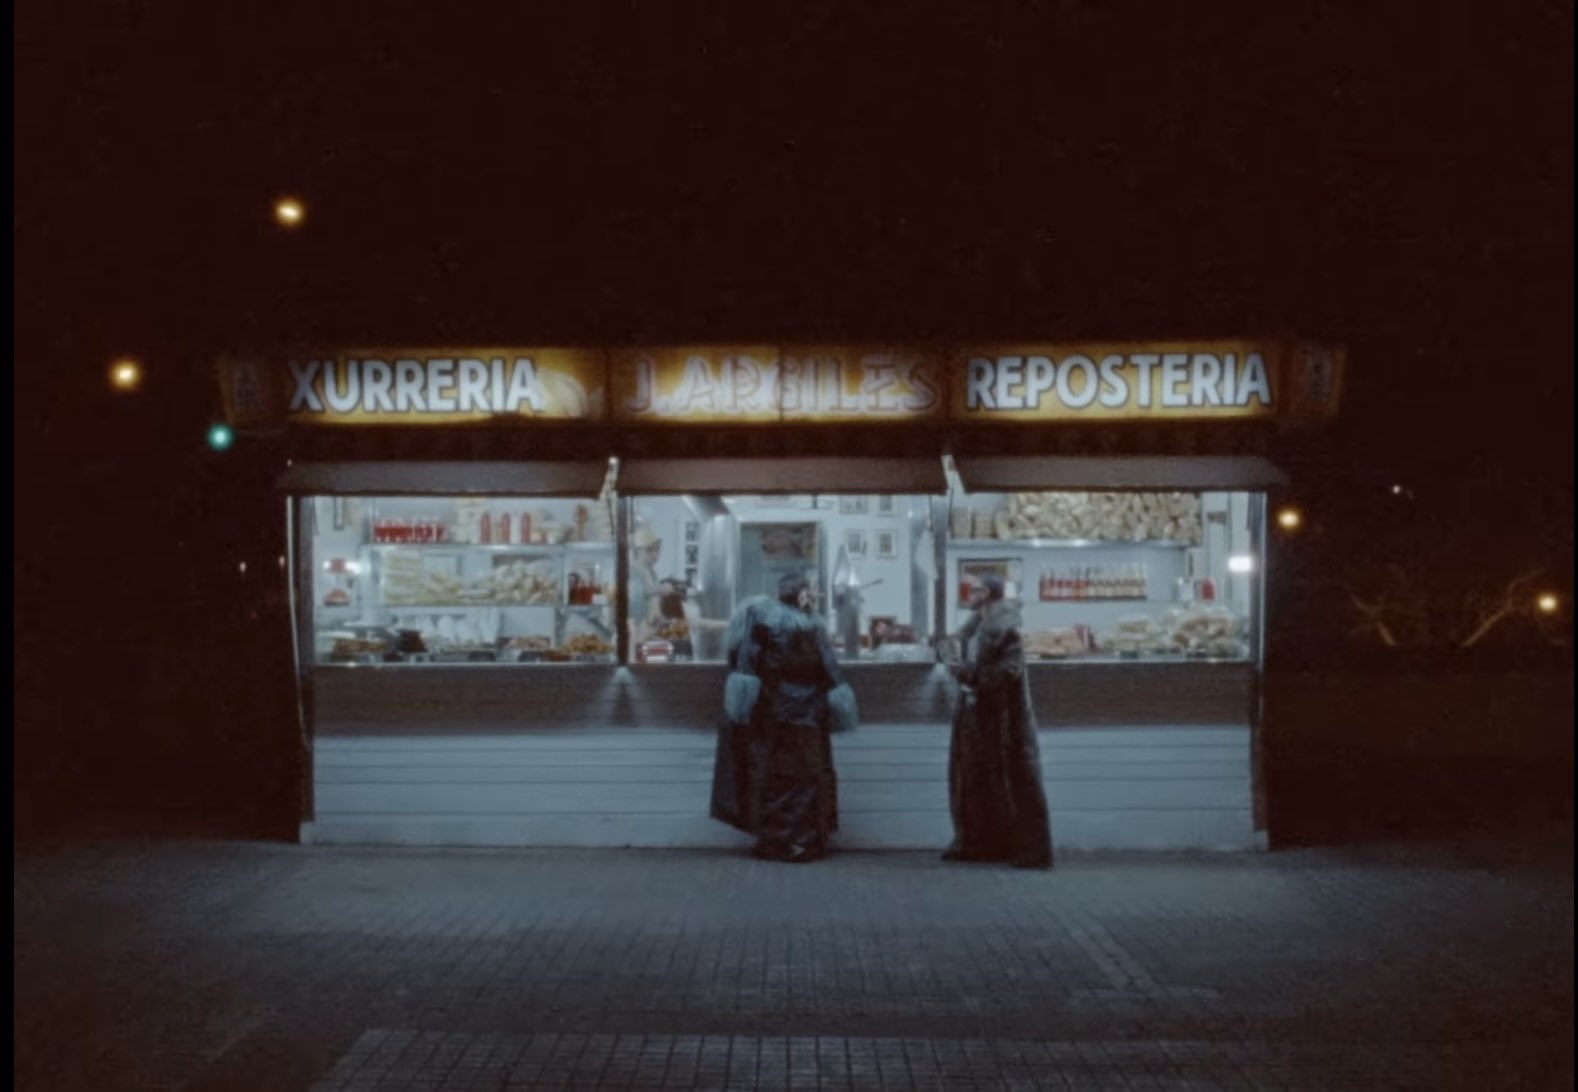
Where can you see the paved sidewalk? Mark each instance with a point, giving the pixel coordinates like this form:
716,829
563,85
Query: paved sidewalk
235,966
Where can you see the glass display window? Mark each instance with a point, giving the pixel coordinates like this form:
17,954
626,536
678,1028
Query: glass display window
694,559
1115,575
419,580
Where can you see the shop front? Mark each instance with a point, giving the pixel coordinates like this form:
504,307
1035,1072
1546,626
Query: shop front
512,572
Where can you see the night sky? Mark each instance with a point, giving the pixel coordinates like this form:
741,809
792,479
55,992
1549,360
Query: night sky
1394,177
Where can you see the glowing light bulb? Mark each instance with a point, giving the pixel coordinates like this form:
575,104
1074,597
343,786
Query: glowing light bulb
289,212
126,374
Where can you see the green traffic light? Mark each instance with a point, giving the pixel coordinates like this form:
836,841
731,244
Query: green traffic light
220,437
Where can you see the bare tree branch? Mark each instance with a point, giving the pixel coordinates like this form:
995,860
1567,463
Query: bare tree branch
1374,615
1508,603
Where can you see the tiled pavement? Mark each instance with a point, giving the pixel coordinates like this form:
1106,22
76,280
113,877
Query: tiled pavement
218,966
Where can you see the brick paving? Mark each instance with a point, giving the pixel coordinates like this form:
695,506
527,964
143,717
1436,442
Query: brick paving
199,966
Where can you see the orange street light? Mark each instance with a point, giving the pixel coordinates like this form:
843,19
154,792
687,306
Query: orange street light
1548,602
1290,519
289,212
126,374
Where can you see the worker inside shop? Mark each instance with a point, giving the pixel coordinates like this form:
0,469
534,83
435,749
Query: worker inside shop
677,617
644,591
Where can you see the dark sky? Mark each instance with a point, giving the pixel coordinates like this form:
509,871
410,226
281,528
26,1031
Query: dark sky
1394,176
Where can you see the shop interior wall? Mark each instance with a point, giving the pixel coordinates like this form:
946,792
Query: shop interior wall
872,523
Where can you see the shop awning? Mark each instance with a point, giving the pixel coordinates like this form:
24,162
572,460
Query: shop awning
1011,473
811,474
582,478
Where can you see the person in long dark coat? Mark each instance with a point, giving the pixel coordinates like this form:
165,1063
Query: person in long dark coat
787,688
733,801
995,793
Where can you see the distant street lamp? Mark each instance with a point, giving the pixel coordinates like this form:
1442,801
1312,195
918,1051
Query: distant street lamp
289,212
1290,519
126,374
220,437
1548,602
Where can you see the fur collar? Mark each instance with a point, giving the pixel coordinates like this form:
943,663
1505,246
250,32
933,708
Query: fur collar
744,618
784,619
762,610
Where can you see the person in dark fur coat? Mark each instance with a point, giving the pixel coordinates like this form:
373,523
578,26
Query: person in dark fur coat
787,693
733,802
995,793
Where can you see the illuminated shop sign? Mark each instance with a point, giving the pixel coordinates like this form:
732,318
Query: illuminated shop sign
434,387
795,384
767,384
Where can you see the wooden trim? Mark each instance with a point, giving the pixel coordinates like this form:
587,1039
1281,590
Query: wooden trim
639,475
582,478
1006,474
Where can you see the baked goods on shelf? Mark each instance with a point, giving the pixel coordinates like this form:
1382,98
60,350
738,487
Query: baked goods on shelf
1054,642
587,644
351,648
1136,634
1208,631
1103,517
673,629
529,583
407,580
530,643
